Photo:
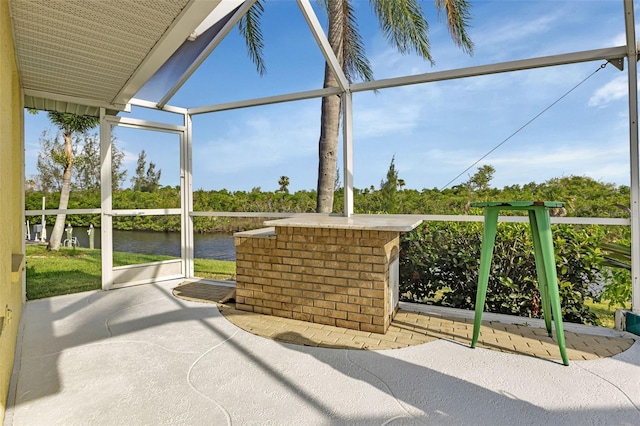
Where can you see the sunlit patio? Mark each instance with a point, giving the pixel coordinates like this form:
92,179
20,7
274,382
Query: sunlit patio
160,348
157,354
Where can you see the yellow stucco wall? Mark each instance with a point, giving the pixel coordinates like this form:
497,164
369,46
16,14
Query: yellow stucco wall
11,202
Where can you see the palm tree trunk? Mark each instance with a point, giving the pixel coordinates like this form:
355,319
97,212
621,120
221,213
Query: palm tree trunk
330,116
58,228
328,149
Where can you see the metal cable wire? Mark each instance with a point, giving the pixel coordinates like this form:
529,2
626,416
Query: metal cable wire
524,125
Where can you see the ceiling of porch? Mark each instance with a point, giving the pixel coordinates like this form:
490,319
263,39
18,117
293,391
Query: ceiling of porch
80,56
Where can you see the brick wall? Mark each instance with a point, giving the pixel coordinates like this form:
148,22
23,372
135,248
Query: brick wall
327,276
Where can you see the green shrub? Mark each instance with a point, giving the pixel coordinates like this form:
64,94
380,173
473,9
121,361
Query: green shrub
440,262
617,269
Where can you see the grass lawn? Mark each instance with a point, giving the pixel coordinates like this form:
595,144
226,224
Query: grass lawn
604,312
72,270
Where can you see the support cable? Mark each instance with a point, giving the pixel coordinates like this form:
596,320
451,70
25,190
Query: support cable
525,125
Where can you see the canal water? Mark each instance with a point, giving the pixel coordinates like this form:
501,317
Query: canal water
217,246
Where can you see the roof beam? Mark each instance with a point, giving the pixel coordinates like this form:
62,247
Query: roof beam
608,54
298,96
612,53
323,42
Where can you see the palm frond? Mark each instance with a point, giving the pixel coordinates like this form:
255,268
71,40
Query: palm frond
403,24
249,27
72,123
356,64
616,255
458,17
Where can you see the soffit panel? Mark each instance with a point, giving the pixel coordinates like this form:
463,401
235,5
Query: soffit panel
90,48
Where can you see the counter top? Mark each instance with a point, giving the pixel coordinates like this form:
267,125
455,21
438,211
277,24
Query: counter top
377,222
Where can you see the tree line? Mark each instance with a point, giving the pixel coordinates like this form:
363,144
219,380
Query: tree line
583,197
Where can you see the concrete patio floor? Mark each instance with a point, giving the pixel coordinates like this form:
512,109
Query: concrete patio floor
142,356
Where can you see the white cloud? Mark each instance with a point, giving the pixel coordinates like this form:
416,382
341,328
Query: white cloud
512,30
129,159
619,40
260,139
615,89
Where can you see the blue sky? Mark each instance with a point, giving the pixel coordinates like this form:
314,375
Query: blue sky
434,131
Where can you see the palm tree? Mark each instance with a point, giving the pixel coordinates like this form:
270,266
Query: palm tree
68,125
404,26
284,184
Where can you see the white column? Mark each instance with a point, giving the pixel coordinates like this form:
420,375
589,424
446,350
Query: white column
632,62
106,221
347,151
186,183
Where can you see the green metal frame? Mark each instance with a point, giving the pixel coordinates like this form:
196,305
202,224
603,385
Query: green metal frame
540,224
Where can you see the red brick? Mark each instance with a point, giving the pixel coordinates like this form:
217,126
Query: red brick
324,288
378,320
262,310
336,297
355,291
292,292
324,304
335,281
362,284
268,291
288,260
301,316
379,303
313,279
303,301
314,263
313,295
253,287
282,314
347,307
372,328
313,310
370,276
357,300
324,272
261,280
281,298
292,307
291,277
302,285
352,316
347,274
361,267
282,268
272,304
379,260
273,274
375,294
336,314
318,319
368,310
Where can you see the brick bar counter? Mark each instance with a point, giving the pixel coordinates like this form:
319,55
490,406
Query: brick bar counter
332,270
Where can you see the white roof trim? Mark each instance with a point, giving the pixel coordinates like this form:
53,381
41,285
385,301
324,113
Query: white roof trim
180,30
218,13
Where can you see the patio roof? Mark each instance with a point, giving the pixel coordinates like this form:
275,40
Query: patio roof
78,57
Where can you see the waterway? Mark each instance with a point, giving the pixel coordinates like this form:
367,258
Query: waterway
218,246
